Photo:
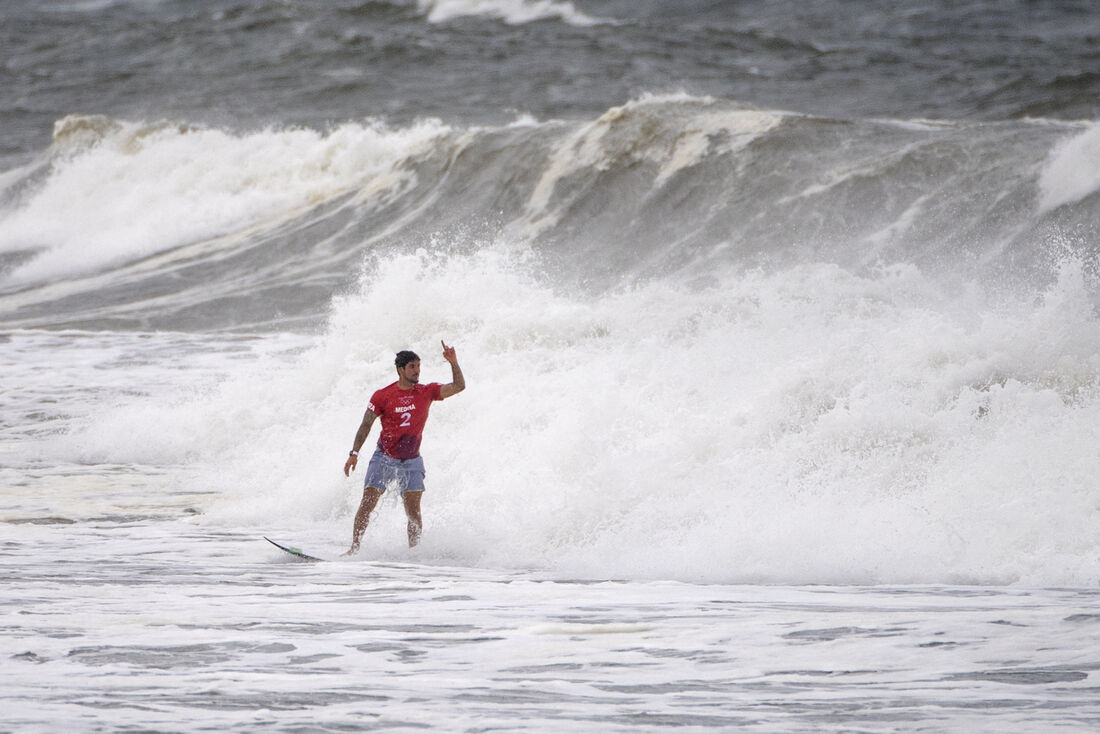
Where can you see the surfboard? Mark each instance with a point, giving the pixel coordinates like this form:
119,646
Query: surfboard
296,552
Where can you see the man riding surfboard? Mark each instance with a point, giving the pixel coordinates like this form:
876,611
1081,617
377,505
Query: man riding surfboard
403,409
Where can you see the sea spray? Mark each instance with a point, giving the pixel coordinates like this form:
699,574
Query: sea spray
806,425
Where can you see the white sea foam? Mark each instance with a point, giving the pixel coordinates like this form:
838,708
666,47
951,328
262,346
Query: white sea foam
1072,171
119,192
515,12
804,423
806,426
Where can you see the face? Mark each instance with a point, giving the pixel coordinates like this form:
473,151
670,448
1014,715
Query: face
410,372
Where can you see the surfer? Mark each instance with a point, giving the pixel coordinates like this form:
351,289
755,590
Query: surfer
396,462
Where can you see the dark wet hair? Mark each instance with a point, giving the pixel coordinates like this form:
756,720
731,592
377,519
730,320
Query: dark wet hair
404,357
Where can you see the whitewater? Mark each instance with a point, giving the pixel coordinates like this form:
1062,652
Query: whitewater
780,417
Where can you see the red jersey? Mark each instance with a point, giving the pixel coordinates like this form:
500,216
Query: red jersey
403,414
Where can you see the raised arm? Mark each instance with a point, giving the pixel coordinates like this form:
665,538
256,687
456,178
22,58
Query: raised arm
458,382
360,439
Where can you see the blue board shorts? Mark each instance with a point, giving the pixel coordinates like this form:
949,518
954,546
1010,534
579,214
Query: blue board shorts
385,472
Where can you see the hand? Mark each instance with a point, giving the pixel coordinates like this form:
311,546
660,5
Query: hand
449,353
349,465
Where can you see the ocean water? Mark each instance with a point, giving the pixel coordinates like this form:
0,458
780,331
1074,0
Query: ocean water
780,328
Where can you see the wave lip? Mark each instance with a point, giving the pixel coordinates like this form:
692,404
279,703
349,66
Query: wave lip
1072,172
119,191
673,132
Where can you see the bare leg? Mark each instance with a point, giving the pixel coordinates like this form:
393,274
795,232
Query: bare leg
412,511
362,517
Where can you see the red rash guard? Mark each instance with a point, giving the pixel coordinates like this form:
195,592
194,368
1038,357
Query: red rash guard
403,414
